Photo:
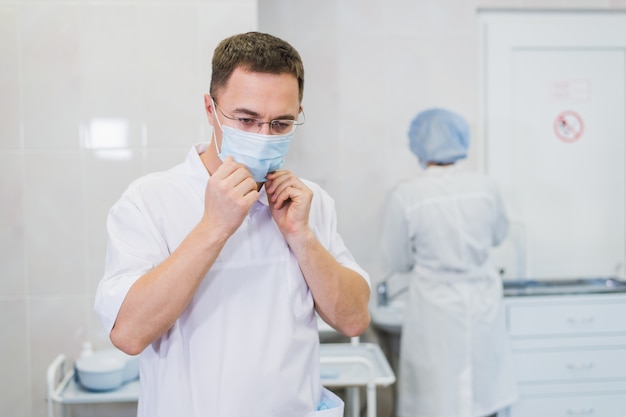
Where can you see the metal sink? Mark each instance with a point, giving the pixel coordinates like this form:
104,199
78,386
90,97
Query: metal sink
389,317
563,287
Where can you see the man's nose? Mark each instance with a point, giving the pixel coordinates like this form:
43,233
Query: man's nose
265,128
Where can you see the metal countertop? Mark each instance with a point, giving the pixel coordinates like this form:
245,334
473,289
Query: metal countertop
563,287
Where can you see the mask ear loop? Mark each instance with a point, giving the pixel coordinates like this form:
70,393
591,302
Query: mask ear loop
218,123
215,142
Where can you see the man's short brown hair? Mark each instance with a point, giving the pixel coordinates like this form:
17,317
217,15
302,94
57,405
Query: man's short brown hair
255,52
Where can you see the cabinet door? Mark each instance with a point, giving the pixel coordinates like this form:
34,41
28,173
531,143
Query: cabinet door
542,319
613,405
570,366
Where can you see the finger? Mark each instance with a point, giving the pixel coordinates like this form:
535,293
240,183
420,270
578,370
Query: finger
251,196
289,184
276,177
227,168
233,175
246,187
240,175
280,179
275,174
285,195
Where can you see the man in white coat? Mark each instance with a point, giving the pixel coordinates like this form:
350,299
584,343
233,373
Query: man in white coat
216,267
454,355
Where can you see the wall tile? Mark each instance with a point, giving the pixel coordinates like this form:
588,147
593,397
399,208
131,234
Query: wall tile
361,16
96,332
57,325
107,174
435,73
14,366
110,90
50,75
172,94
160,159
110,70
10,100
55,222
429,17
12,263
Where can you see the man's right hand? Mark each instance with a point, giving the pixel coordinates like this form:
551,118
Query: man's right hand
230,193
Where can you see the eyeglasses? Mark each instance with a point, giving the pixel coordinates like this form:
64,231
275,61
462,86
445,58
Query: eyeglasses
277,126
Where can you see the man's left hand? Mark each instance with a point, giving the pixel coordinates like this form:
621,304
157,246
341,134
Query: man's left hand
289,201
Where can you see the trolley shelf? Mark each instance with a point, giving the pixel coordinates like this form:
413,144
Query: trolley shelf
341,365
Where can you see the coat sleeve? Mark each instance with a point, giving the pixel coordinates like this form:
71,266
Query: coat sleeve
134,247
395,240
502,221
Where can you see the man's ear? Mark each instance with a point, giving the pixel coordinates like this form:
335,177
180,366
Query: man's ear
208,108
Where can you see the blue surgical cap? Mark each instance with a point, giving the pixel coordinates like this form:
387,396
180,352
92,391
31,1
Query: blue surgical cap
439,135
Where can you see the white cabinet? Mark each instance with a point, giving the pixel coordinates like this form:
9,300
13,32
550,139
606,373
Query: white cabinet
569,354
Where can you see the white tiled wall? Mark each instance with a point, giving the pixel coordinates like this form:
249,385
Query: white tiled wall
133,72
92,95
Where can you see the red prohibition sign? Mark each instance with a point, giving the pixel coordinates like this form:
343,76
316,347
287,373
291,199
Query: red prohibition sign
569,126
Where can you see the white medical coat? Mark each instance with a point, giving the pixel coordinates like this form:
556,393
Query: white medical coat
247,344
454,355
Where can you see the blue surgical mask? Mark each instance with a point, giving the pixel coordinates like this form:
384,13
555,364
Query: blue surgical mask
260,153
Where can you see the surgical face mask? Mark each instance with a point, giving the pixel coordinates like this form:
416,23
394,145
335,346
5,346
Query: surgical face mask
260,153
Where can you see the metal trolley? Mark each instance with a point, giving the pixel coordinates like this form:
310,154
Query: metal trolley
342,365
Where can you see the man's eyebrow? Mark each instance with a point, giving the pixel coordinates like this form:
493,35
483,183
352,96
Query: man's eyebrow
285,117
255,115
243,110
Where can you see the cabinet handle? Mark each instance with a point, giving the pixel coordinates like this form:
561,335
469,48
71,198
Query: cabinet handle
580,412
580,320
579,366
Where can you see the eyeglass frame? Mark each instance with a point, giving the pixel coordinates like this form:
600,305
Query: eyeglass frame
294,123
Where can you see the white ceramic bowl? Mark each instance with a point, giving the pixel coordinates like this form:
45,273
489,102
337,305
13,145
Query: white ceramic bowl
100,372
131,367
106,370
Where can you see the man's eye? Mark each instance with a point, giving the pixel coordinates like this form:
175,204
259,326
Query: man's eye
246,121
281,126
